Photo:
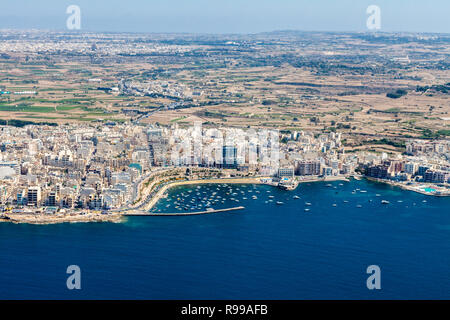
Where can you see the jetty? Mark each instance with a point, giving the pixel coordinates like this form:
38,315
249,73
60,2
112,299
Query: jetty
152,214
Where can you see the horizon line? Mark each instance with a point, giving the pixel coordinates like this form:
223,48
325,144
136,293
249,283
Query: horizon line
81,31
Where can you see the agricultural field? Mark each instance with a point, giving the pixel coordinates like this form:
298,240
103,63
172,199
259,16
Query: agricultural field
367,86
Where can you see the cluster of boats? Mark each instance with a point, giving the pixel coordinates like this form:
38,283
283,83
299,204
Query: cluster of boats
207,197
203,197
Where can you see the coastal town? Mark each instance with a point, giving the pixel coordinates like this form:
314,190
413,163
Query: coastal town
221,158
101,172
100,126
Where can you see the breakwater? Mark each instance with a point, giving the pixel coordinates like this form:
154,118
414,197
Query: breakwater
144,213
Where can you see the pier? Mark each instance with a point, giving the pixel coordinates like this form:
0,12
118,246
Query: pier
148,214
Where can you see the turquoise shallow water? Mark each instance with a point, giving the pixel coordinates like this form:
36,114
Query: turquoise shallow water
266,251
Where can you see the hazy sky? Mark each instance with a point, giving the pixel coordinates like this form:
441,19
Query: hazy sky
227,16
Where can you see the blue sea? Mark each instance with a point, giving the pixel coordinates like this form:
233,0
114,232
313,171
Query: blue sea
266,251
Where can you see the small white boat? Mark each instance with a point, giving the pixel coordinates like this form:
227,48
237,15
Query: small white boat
280,202
385,202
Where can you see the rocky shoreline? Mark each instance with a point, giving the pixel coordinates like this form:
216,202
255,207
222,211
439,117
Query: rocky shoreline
60,218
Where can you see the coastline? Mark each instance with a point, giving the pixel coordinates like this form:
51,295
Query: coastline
119,215
413,188
59,218
113,216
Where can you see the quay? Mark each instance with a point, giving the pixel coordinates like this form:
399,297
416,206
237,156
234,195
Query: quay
148,214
